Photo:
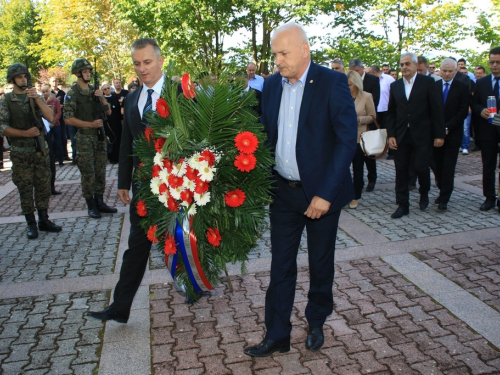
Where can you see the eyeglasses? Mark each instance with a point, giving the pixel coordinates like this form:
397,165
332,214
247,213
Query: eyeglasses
495,62
107,88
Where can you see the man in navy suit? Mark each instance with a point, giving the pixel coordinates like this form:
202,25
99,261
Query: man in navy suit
148,62
456,99
415,121
487,133
309,116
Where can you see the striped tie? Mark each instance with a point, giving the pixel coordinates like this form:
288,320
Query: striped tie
147,106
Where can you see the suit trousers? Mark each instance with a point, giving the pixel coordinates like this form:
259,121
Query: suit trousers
135,261
287,224
403,159
357,172
489,157
446,161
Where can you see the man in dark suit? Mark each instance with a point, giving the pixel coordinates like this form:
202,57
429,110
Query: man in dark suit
414,119
371,84
456,99
309,116
148,62
487,133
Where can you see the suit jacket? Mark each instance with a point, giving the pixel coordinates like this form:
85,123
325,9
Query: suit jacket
485,130
456,109
326,134
371,84
365,109
132,128
422,112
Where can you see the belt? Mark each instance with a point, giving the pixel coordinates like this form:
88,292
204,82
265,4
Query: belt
87,131
25,143
294,184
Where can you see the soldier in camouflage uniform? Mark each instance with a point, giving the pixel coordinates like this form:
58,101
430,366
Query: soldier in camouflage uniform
82,108
29,154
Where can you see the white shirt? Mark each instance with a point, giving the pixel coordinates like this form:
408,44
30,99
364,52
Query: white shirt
143,96
409,85
385,89
256,83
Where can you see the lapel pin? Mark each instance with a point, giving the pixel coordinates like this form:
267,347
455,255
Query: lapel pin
311,81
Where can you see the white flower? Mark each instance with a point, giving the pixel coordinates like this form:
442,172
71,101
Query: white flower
176,193
155,185
163,176
192,210
194,161
188,184
179,169
206,173
158,160
202,199
163,198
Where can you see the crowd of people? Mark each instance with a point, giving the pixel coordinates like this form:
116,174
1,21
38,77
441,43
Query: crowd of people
425,114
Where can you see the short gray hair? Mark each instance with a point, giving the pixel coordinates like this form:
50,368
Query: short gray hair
289,26
338,61
144,42
449,61
413,55
355,63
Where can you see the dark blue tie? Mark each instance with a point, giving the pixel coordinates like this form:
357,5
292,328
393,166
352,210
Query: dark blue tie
147,106
445,92
495,88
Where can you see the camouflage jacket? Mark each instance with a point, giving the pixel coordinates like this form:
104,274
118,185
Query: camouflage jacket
5,116
71,103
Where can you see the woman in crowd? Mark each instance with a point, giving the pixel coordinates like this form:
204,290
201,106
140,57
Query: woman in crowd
365,109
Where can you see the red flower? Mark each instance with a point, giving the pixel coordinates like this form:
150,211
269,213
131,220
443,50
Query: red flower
175,181
149,133
163,188
208,156
162,107
168,165
235,198
170,248
213,236
246,142
201,186
141,208
151,233
245,163
188,87
187,196
191,173
159,144
156,170
172,204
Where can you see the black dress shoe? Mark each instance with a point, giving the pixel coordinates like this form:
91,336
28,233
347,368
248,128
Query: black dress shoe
268,347
442,207
370,186
108,314
437,201
400,212
424,202
488,204
55,192
315,339
390,157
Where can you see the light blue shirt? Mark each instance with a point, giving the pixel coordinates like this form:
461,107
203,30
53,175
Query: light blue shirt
288,123
257,83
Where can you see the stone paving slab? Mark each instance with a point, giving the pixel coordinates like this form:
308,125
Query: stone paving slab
84,247
382,324
50,334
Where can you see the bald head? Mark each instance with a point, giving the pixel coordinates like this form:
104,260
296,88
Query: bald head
294,29
251,68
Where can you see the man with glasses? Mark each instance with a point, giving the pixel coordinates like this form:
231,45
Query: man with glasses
432,68
83,108
487,133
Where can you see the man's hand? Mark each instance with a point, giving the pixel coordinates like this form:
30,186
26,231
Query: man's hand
317,208
32,132
124,196
485,113
31,93
393,145
98,93
438,142
96,123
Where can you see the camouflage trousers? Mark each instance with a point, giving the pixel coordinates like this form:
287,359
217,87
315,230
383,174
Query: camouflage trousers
91,162
31,171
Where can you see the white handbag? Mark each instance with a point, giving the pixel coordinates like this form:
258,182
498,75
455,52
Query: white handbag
374,142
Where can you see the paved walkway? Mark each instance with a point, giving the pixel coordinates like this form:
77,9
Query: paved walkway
420,295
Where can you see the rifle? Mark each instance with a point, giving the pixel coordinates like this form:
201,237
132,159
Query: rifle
99,113
35,115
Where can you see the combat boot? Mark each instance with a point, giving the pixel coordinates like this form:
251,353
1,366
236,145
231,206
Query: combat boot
32,229
103,207
92,209
44,224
